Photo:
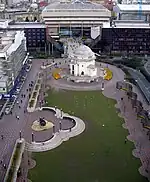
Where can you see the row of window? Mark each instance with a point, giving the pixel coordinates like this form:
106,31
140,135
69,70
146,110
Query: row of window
36,44
35,37
35,30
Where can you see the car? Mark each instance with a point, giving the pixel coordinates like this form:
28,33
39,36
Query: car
7,110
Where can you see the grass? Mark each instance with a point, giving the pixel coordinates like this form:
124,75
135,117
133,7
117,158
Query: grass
97,155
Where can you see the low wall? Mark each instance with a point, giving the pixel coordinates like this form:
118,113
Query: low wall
32,108
14,164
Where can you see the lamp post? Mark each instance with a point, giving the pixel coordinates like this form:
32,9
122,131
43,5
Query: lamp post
61,113
20,135
53,129
60,125
32,137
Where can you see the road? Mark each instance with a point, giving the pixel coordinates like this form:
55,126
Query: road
10,126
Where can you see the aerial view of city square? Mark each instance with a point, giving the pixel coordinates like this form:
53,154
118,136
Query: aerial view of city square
74,91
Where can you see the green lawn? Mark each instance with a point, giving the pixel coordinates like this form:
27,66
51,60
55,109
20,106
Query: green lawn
97,155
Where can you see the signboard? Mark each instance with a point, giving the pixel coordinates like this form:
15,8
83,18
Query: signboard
95,32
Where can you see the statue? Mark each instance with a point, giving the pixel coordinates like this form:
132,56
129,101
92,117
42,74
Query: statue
42,121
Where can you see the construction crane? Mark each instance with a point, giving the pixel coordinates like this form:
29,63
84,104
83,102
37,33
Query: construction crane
140,9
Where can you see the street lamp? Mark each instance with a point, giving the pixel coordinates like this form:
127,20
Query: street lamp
53,129
60,125
20,135
32,137
61,113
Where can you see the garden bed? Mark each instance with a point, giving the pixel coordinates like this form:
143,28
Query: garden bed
31,103
34,95
37,86
15,161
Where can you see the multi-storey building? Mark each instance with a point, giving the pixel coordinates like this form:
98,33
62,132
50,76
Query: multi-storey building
69,18
130,37
13,55
35,34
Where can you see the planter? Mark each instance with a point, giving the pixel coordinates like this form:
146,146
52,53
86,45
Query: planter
34,96
15,161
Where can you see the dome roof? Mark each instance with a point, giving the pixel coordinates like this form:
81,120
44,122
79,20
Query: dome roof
83,52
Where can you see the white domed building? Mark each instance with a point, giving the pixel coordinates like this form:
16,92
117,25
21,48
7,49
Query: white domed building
83,62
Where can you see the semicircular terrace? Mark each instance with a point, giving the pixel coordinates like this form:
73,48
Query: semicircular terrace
59,137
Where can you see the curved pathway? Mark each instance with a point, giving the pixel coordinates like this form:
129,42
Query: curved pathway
118,75
58,137
137,135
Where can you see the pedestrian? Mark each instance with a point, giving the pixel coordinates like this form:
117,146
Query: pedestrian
4,165
11,112
18,117
2,137
125,141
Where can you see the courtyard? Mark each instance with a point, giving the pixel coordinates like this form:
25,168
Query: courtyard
98,154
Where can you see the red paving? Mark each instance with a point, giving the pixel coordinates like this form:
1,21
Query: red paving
137,134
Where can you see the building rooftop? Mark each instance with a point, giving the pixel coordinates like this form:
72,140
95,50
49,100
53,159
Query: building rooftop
74,5
10,41
127,24
133,7
23,25
12,10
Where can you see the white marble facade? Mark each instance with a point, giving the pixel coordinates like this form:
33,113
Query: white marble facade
83,62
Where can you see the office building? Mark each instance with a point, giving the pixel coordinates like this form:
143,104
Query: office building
131,37
13,55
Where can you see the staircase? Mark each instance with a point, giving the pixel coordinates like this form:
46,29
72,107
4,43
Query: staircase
56,44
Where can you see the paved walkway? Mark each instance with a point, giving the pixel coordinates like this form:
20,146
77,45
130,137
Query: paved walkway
60,136
10,126
118,75
136,132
